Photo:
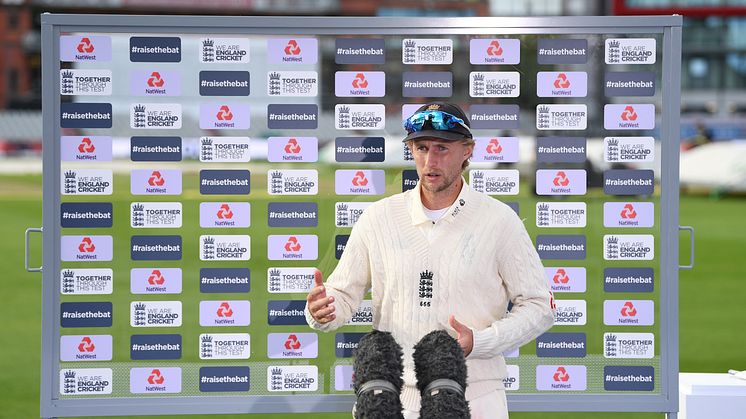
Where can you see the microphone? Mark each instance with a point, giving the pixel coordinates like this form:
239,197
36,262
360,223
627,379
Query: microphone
440,367
377,377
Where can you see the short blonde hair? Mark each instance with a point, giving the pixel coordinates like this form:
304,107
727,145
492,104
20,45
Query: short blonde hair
465,141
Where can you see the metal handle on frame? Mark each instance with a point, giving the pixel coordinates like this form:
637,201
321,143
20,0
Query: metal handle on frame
690,229
25,258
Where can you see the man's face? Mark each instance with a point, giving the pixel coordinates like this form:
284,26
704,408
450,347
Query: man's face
439,162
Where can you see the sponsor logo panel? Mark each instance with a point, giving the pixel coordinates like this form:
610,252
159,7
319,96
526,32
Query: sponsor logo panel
629,247
495,51
495,182
155,49
629,182
155,380
286,313
359,182
561,182
632,378
155,214
566,279
224,214
225,313
293,83
289,280
629,83
292,50
346,214
629,214
346,343
224,149
155,116
224,182
86,281
155,248
359,117
155,280
359,51
225,50
155,314
221,280
561,345
359,149
569,247
409,179
224,116
560,150
293,116
77,348
427,51
75,82
340,243
629,116
363,316
561,377
155,182
293,378
93,314
570,312
629,312
82,48
155,83
629,51
293,182
86,248
629,345
155,149
292,247
229,379
224,247
494,116
629,149
560,214
292,345
561,84
147,347
293,214
224,346
85,148
85,381
85,115
224,83
513,381
629,279
562,51
343,378
292,149
496,149
494,84
86,215
87,182
360,83
561,117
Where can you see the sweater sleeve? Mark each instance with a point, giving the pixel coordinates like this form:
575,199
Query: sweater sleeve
526,286
350,279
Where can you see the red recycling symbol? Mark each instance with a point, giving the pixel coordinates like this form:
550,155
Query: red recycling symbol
560,277
629,211
629,114
225,212
86,245
225,310
561,82
292,48
156,278
86,345
292,245
359,179
292,147
86,146
155,80
156,179
561,179
629,310
85,45
156,377
494,48
360,82
494,147
225,114
292,342
561,375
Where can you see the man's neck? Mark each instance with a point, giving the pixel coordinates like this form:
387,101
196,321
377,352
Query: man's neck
442,199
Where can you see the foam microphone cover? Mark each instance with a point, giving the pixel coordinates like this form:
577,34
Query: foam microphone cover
439,360
378,362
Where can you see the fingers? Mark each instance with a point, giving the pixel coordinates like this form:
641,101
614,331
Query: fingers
456,325
319,305
316,305
318,279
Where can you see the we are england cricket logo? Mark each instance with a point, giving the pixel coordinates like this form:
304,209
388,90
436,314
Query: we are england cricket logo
155,314
224,247
87,182
155,116
292,378
79,381
225,50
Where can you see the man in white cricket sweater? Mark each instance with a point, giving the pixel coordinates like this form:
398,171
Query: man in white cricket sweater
442,256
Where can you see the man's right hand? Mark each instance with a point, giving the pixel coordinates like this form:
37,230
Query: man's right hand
319,305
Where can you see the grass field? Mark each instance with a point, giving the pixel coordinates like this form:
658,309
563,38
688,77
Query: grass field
711,295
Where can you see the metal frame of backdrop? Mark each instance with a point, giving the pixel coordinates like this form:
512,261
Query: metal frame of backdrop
53,25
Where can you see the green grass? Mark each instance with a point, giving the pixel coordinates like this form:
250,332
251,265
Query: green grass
711,295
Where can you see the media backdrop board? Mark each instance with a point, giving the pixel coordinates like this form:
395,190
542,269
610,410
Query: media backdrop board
196,170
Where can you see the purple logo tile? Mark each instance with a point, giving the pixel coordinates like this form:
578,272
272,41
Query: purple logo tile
629,312
85,348
495,51
629,116
292,345
360,83
155,182
224,214
343,378
495,149
155,281
562,84
629,214
292,149
85,148
359,182
224,116
85,48
292,50
408,110
560,182
155,83
566,279
561,377
224,313
86,248
155,380
293,247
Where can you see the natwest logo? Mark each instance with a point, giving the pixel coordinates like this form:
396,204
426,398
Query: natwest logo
85,46
156,277
292,343
86,345
155,377
494,147
156,179
494,49
561,375
225,213
629,114
628,212
86,245
292,146
292,245
155,80
561,82
561,277
359,82
224,310
224,114
292,48
359,179
86,146
628,310
561,179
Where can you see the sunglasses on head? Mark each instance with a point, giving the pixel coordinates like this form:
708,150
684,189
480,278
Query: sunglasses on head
438,120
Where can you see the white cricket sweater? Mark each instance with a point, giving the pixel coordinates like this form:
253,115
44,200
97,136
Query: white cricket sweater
469,263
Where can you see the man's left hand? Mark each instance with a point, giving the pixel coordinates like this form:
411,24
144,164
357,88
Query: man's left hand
465,336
